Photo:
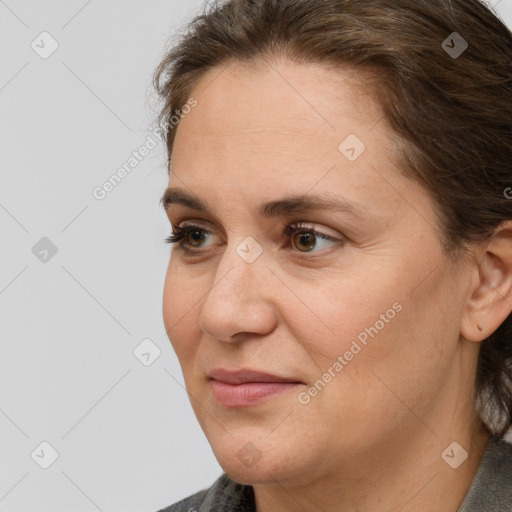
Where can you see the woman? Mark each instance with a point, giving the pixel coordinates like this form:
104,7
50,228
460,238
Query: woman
339,294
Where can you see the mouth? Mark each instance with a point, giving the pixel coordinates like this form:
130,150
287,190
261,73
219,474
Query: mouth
243,388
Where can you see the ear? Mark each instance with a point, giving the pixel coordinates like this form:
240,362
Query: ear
490,299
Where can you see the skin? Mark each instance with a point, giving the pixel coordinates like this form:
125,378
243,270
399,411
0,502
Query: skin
372,438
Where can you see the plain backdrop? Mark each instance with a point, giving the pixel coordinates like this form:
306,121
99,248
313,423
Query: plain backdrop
93,412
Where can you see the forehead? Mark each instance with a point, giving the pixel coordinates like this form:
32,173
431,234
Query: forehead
235,98
281,124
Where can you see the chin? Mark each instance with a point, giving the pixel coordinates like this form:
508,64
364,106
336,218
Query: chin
246,476
261,474
248,464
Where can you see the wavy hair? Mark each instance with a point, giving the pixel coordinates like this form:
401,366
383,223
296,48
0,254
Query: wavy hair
451,113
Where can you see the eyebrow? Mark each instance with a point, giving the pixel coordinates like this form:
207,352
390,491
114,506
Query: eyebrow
289,205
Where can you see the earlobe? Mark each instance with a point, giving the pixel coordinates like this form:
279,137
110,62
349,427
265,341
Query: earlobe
472,331
490,299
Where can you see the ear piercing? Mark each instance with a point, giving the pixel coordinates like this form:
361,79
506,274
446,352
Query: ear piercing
479,327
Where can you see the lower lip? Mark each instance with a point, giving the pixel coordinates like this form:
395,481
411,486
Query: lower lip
250,393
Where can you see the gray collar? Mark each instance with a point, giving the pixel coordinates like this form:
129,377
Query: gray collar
491,489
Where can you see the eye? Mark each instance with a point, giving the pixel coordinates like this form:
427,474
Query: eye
188,236
305,238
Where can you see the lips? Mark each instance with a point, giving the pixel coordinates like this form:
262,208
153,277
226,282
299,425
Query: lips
244,388
244,376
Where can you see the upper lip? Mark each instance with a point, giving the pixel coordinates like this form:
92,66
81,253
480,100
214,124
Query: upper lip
246,375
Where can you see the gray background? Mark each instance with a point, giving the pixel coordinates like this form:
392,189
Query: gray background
125,433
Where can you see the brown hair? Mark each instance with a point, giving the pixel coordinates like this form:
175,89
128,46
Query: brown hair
452,113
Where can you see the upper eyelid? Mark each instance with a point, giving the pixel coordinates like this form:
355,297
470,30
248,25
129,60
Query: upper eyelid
297,225
292,219
189,223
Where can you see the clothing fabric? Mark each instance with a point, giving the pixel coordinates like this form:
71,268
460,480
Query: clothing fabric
490,490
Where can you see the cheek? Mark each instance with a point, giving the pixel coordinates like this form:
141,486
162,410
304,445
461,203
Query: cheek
180,312
363,334
329,314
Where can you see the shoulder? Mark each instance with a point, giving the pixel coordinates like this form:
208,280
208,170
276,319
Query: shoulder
224,495
189,504
491,489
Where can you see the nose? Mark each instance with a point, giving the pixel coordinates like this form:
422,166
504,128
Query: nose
239,301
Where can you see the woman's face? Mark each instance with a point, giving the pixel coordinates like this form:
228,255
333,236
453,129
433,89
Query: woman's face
360,312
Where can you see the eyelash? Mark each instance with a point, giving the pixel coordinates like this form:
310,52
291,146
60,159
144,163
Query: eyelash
180,233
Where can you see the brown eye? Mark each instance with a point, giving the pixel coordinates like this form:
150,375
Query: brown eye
304,239
189,237
195,236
